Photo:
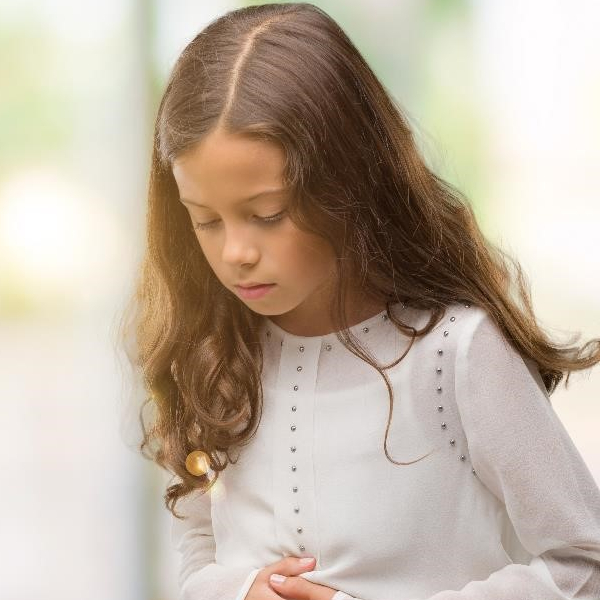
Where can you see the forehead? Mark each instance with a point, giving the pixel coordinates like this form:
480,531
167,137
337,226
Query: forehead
227,166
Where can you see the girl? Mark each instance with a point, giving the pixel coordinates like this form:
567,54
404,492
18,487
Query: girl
340,368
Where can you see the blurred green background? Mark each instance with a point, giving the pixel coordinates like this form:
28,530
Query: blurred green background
503,97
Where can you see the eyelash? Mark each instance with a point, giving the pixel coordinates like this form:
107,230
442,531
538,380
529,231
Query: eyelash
265,221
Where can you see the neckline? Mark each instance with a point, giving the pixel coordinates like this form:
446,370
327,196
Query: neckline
371,323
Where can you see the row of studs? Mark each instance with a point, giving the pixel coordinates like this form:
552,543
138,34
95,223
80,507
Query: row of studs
328,347
299,529
440,407
293,427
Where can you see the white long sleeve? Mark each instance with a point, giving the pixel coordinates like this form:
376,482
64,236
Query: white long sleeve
500,507
522,453
200,577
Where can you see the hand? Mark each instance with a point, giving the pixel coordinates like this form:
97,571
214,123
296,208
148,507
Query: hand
298,588
289,566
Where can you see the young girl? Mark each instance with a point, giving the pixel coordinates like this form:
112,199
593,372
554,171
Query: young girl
340,366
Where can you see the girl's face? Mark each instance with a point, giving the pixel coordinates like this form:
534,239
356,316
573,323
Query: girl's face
232,189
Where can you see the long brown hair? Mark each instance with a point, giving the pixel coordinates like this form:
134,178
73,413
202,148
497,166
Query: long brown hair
287,73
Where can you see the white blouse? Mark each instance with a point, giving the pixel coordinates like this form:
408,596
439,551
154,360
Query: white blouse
504,507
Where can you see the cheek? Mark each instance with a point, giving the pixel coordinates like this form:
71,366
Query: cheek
307,256
211,254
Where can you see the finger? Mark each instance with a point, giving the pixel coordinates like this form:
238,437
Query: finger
292,565
298,588
287,586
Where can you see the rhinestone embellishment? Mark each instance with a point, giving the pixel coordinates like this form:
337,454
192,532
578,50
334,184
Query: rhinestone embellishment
462,457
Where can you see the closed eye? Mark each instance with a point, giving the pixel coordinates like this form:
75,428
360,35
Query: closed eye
263,220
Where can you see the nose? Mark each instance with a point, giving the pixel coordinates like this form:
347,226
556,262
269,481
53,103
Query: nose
239,247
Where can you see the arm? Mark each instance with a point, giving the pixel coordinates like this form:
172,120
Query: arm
521,451
200,577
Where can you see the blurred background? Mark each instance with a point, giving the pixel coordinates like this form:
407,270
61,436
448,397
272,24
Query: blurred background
504,96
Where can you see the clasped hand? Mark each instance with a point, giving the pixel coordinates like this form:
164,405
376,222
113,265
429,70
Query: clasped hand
293,588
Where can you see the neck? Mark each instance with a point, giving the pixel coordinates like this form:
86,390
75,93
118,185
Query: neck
313,320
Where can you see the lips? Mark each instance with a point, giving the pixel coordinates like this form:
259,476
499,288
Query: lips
254,291
251,285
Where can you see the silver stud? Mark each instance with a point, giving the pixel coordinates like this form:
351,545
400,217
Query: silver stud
452,442
301,348
439,388
440,352
462,457
298,368
384,317
366,329
453,318
293,408
293,467
295,387
295,488
299,529
439,369
473,471
467,305
445,333
301,547
440,408
328,347
296,509
293,428
293,448
443,425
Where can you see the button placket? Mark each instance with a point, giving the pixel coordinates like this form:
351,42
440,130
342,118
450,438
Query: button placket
293,474
294,408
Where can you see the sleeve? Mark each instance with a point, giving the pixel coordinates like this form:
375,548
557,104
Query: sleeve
523,454
521,451
199,576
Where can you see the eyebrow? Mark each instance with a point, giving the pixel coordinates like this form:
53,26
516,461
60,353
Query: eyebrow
263,193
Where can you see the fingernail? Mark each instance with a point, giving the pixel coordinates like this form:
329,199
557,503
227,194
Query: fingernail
275,578
306,560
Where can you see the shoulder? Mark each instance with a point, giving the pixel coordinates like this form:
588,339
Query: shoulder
475,347
473,335
494,383
454,330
